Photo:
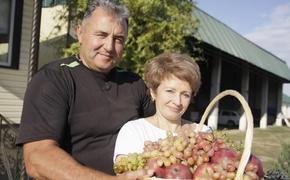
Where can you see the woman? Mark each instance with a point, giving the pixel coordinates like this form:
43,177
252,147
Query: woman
173,79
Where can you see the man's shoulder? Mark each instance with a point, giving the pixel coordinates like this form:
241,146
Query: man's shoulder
54,70
64,62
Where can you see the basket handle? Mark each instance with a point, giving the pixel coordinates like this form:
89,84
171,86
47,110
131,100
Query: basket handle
249,132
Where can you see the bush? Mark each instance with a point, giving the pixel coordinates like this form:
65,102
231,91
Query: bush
281,170
283,162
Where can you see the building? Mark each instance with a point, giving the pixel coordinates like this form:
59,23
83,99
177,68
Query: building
232,62
19,35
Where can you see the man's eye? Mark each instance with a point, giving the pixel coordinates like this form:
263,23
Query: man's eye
102,36
169,90
120,40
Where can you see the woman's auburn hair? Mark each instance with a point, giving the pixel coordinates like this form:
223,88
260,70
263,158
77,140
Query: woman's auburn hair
166,65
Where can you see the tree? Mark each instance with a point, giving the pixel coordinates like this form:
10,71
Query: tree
155,26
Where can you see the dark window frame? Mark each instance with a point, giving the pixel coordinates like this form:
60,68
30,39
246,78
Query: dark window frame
51,3
14,36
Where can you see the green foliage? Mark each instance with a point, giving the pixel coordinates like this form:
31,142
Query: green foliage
77,9
283,162
155,26
73,49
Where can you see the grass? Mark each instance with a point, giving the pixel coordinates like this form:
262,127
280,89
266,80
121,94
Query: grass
266,142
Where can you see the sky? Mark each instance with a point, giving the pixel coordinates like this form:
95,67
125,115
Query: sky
264,22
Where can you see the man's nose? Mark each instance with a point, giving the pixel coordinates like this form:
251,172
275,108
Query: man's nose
109,44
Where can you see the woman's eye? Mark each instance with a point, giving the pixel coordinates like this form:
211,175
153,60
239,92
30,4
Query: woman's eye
169,90
187,95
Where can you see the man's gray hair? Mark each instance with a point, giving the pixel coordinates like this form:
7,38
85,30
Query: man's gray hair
113,6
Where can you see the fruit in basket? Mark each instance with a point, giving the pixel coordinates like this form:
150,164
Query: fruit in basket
255,165
190,155
177,171
203,171
159,172
227,158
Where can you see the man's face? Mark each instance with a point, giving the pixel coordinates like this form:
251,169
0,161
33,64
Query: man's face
102,38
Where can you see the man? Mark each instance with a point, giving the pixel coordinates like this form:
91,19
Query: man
74,107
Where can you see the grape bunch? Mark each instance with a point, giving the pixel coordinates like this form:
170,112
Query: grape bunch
275,174
130,162
237,146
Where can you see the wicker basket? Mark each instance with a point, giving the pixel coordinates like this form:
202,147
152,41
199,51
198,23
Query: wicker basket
249,132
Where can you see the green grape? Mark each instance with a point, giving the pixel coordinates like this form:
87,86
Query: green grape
131,162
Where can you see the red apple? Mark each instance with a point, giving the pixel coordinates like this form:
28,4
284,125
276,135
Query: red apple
257,165
160,172
227,158
178,171
203,171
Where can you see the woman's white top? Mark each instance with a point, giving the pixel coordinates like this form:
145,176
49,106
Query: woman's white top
134,133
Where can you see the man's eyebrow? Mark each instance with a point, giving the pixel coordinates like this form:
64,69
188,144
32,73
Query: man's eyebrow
100,32
120,35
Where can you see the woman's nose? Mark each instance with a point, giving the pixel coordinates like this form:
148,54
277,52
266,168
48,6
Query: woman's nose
177,99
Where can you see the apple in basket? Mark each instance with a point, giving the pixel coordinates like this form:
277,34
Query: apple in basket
222,165
174,171
255,166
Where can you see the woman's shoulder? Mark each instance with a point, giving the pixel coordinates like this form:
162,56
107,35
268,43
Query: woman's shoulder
134,123
205,128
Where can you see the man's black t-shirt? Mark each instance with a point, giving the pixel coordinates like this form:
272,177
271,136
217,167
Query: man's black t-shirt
82,109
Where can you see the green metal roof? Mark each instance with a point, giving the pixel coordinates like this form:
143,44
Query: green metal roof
226,39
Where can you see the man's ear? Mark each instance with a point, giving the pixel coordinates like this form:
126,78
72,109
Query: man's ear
79,33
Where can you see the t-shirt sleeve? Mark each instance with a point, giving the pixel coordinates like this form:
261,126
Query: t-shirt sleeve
128,141
45,108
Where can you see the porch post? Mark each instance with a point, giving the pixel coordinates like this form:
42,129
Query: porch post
34,47
264,103
214,90
279,105
245,93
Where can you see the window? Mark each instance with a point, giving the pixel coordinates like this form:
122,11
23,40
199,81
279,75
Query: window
50,3
10,32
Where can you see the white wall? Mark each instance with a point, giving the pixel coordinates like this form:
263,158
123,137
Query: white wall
52,40
13,82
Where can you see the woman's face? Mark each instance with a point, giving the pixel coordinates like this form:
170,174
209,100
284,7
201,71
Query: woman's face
172,98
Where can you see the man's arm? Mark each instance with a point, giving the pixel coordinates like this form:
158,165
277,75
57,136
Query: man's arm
46,160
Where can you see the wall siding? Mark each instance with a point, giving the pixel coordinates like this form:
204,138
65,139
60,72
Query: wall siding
13,83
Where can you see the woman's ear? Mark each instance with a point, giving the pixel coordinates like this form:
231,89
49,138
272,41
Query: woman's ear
152,93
